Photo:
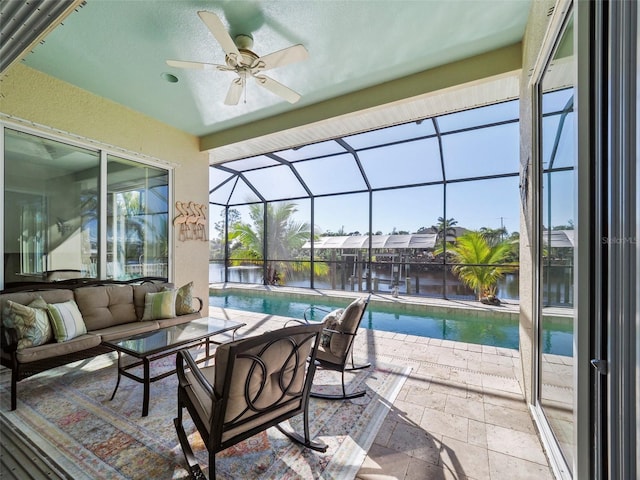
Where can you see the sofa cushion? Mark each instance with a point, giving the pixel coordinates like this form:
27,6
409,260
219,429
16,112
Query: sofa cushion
25,298
50,350
66,320
140,291
159,305
30,321
106,305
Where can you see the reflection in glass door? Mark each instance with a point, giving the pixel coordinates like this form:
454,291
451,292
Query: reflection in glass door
32,234
557,244
137,220
50,209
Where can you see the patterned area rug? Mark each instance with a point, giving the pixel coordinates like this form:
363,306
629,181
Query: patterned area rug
67,413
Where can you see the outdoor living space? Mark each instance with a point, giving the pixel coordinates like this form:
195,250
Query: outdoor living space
456,410
460,414
439,177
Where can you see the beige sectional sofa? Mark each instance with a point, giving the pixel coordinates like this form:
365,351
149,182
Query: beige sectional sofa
108,311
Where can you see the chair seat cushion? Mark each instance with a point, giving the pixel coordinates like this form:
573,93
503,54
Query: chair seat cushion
200,398
324,355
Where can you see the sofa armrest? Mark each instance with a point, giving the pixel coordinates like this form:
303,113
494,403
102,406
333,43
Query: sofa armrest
9,339
200,303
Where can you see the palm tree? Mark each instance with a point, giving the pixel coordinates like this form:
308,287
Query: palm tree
493,235
285,238
479,263
444,229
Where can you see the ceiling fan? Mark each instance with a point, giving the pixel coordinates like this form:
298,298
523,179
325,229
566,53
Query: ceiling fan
245,63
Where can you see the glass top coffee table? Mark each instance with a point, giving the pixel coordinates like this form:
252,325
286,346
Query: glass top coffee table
161,343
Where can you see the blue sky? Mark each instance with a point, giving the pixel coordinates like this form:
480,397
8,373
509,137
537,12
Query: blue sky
488,151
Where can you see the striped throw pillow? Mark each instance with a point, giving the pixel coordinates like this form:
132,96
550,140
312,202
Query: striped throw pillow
66,320
159,305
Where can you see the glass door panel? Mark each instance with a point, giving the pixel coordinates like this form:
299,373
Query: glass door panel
50,209
556,388
137,220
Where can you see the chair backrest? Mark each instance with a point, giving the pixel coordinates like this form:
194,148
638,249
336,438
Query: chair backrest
263,380
348,324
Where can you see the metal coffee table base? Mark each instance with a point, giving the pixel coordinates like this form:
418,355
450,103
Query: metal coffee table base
147,379
146,347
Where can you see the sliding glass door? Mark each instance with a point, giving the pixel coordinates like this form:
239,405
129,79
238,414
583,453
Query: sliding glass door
76,212
50,208
555,249
137,220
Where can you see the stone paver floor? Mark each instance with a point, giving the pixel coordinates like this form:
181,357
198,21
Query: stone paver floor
460,415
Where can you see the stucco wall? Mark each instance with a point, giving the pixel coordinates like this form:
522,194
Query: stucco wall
29,95
536,27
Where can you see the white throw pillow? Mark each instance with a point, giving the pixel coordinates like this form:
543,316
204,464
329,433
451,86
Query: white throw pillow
331,320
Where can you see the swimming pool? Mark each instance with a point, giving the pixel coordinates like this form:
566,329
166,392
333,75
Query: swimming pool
457,325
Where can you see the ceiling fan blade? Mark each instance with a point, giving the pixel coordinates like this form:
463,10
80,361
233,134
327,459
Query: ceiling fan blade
196,65
277,88
235,91
217,28
288,55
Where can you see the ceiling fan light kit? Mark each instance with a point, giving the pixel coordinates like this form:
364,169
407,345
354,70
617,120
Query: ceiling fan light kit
245,63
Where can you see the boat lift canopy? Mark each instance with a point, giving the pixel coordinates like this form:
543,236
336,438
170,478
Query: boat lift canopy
422,241
559,238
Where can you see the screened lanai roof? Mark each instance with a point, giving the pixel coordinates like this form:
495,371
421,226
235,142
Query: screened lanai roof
431,151
419,241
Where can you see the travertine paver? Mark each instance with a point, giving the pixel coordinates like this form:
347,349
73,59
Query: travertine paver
460,414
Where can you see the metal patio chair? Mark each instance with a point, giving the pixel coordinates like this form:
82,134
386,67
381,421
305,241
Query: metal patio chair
255,383
335,351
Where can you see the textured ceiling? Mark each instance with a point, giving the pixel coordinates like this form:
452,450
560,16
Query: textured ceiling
117,50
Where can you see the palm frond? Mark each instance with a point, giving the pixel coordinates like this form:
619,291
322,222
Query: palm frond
480,264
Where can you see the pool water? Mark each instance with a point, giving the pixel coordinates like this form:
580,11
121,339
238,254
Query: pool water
457,326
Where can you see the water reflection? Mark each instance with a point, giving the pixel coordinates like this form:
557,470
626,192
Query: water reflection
470,327
429,284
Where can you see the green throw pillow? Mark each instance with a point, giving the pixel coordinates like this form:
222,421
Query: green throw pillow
159,305
30,321
66,320
184,300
